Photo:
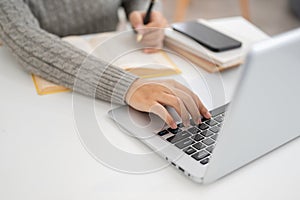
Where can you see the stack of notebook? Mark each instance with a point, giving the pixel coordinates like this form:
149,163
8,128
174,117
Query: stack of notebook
235,27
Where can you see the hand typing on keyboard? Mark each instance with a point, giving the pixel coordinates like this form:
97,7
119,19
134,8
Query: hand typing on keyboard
197,141
152,96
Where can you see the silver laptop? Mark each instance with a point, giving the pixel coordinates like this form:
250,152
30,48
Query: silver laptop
263,115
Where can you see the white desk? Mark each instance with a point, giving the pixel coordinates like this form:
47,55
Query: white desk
41,156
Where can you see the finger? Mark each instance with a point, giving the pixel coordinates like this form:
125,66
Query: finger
162,112
153,37
177,104
156,43
202,109
157,24
151,50
153,42
190,104
136,19
157,20
153,34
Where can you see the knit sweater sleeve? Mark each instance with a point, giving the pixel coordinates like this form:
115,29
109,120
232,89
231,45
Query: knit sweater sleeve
46,55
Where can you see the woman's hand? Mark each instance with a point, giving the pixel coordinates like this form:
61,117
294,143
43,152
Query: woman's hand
153,32
152,96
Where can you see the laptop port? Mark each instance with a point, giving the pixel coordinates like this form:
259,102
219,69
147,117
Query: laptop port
181,169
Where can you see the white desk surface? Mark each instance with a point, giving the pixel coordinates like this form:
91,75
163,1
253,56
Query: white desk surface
41,156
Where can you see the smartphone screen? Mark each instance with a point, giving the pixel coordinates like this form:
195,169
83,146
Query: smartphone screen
206,36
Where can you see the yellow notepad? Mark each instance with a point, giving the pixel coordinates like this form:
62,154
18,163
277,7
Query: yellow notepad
136,62
45,87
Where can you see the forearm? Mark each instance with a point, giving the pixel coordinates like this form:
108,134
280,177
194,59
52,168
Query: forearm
48,56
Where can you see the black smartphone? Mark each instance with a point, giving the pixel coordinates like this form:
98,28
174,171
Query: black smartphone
206,36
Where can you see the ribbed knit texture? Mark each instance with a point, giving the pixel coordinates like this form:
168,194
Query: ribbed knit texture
31,29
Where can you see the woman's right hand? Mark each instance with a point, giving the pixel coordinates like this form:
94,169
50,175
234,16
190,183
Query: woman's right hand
153,32
153,96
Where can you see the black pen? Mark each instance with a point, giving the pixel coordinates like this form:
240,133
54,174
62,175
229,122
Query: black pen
147,19
148,13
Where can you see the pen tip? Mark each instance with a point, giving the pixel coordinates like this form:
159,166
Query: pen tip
139,37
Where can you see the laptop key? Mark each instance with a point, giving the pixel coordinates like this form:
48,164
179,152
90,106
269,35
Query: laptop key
204,161
203,126
179,136
200,155
211,122
219,118
215,129
192,122
204,119
206,133
210,148
163,132
174,131
189,150
214,137
184,143
180,125
197,137
199,146
194,130
208,141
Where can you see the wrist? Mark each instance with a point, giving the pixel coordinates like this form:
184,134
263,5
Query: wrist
132,89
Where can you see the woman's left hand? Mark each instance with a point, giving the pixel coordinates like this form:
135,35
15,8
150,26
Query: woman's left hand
153,32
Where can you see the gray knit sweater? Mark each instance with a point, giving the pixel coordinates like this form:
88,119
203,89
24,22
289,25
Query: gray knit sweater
31,29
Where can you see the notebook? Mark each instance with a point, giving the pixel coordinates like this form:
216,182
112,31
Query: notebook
235,27
45,87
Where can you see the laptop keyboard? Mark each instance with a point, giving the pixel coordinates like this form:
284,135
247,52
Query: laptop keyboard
197,141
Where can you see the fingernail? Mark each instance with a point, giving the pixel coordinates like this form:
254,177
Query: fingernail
173,125
198,121
207,115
